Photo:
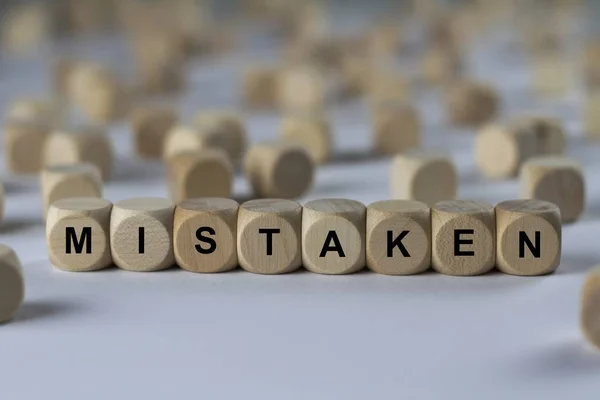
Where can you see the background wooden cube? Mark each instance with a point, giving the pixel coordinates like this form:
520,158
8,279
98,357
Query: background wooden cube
12,285
311,131
589,315
224,130
149,126
396,128
24,141
303,88
471,103
259,87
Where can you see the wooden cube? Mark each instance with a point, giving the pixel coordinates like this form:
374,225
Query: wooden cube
333,236
549,133
224,130
202,173
396,128
592,114
313,131
269,236
141,234
12,285
441,65
528,237
25,27
89,144
204,234
78,234
70,180
471,103
45,111
589,316
551,75
24,141
149,126
425,177
463,237
386,86
279,170
558,180
302,88
398,237
259,87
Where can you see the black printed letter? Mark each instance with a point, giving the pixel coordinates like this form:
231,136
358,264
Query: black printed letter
269,233
141,240
86,237
332,236
524,240
458,241
396,243
212,245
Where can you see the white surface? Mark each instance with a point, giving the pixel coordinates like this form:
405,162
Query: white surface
176,335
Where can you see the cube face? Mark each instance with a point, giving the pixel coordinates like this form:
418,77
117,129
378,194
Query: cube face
150,127
590,307
311,132
397,128
24,141
260,88
12,286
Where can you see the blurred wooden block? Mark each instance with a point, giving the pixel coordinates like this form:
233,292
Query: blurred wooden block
528,237
398,237
24,141
425,177
558,180
259,87
224,130
269,236
591,66
141,234
204,234
202,173
355,74
41,110
25,27
12,285
589,316
550,75
71,180
441,65
279,170
333,236
86,144
463,237
78,234
396,128
313,131
387,87
471,103
592,114
303,88
150,126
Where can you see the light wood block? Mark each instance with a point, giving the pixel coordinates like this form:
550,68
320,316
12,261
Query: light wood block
203,173
471,103
223,130
12,284
333,236
558,180
302,88
259,87
87,144
589,315
441,65
591,66
386,86
549,133
25,27
592,114
463,237
78,234
313,131
45,111
150,126
528,237
550,75
71,180
396,128
141,234
398,237
279,170
204,234
24,141
269,236
425,177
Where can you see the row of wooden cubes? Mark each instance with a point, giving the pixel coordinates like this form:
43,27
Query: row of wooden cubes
327,236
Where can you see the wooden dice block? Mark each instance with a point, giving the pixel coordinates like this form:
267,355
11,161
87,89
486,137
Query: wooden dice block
259,87
141,234
589,316
302,89
312,131
528,237
45,111
269,236
396,128
12,285
463,237
204,234
558,180
78,234
150,126
441,65
279,170
223,130
333,236
71,180
471,103
24,141
25,26
387,86
592,114
424,177
398,237
87,144
203,173
550,75
548,131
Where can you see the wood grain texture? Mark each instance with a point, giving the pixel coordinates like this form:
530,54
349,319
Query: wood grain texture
541,223
463,237
70,180
313,131
397,217
558,180
589,314
202,173
259,87
335,229
223,130
149,127
24,141
396,128
12,285
425,177
87,218
155,216
471,103
217,220
278,248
